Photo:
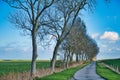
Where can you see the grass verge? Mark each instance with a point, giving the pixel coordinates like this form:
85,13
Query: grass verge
107,73
64,75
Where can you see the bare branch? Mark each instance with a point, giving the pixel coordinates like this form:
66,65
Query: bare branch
45,7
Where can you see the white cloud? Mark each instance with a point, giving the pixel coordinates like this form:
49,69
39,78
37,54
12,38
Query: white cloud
104,46
110,35
8,49
109,50
95,35
26,49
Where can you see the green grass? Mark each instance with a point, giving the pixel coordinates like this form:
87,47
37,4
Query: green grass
64,75
112,62
107,73
20,66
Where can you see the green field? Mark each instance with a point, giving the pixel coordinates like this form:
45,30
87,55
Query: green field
107,73
19,66
115,62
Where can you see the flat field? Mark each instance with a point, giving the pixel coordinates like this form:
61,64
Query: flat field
108,74
112,62
11,66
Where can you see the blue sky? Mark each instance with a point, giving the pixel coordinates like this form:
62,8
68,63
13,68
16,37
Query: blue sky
103,25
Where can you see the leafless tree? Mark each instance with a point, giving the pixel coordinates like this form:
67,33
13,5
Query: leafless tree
28,18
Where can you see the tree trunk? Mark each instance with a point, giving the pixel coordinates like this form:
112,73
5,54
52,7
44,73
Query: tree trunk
71,57
52,65
34,55
67,61
64,60
82,57
77,58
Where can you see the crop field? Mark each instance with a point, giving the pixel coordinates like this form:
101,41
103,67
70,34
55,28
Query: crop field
115,62
20,66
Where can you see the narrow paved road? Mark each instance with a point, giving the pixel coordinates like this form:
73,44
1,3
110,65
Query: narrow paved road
87,73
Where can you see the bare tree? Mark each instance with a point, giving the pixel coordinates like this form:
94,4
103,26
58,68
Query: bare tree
28,19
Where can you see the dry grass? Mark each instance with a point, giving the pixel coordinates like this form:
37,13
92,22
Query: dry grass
40,73
16,76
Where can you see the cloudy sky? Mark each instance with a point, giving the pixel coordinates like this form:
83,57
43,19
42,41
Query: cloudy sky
103,25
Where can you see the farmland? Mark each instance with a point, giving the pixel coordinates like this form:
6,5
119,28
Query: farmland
111,72
108,74
112,62
20,66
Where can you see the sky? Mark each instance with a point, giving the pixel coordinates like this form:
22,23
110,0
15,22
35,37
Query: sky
103,25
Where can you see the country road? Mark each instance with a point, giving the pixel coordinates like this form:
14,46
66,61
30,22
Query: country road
87,73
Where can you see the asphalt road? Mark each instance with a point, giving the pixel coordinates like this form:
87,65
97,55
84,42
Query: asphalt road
87,73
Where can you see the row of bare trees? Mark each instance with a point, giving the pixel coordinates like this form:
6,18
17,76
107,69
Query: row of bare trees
78,44
60,19
56,18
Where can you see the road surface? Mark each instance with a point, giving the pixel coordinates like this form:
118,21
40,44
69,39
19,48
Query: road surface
87,73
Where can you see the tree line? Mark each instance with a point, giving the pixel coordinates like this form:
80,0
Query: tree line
58,19
79,44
